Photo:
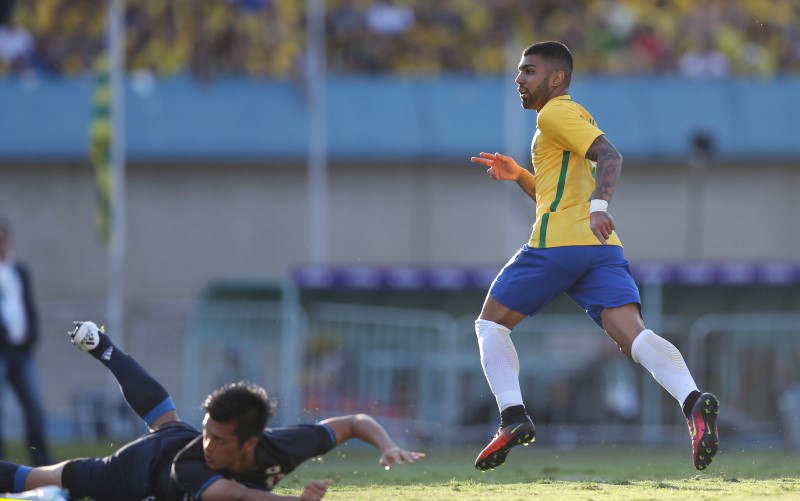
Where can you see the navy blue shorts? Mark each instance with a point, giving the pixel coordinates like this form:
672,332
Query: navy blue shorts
129,473
594,276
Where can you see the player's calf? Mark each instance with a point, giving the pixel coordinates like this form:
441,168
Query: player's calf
145,395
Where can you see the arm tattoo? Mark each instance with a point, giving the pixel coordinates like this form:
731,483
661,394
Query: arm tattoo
609,164
528,184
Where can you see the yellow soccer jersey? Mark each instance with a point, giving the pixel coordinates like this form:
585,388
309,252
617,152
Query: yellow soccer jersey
564,176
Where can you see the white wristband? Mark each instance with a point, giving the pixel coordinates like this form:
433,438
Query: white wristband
598,205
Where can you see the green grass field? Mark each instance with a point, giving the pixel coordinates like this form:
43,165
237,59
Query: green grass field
546,473
583,473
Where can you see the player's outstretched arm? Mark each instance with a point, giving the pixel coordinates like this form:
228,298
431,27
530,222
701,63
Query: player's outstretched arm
365,428
607,171
503,167
228,490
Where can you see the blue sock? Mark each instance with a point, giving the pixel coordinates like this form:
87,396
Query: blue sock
148,399
12,476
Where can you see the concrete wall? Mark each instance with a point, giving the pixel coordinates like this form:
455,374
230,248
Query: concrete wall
188,225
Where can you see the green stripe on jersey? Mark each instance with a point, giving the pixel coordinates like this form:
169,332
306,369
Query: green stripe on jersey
562,178
543,231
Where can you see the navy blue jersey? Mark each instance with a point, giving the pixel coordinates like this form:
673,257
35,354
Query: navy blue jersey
278,453
168,464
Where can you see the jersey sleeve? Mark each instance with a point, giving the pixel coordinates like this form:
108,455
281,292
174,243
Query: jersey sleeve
568,129
295,444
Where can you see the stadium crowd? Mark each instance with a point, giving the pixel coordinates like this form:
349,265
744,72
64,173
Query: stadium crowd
266,38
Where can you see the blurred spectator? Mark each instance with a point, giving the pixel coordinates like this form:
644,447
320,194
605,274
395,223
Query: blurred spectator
385,18
704,62
18,335
648,53
16,46
266,39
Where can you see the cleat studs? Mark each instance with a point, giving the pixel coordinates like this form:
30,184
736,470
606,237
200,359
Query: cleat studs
700,457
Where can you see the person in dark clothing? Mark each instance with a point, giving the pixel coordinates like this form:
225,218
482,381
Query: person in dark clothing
235,456
19,330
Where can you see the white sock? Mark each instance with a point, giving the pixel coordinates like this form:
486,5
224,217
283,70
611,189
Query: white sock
500,362
663,360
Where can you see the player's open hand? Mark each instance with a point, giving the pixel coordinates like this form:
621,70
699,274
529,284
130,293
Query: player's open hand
315,490
602,224
501,167
396,455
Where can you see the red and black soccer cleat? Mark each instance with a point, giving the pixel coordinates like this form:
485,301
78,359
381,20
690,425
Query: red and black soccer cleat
703,429
495,453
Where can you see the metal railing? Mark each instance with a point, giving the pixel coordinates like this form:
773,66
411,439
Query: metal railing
750,361
419,371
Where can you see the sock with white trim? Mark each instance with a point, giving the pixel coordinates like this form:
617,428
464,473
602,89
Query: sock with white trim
499,361
663,360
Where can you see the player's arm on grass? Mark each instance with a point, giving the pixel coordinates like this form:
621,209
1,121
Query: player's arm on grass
505,168
365,428
608,166
228,490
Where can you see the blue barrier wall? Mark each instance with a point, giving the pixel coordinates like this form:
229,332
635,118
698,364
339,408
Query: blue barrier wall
448,117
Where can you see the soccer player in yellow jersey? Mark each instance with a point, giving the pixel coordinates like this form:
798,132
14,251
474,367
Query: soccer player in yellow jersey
573,249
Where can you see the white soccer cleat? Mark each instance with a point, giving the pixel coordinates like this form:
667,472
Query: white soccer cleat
86,335
49,493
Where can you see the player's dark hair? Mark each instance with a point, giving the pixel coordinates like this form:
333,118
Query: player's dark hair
555,53
244,404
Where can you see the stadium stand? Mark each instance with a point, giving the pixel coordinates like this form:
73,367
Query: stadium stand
265,38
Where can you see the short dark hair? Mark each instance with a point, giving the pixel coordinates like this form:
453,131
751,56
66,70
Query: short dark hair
245,404
553,52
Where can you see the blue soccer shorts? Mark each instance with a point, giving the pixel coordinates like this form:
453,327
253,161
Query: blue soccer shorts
594,276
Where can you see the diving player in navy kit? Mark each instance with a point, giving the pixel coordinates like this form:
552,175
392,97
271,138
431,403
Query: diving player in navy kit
235,456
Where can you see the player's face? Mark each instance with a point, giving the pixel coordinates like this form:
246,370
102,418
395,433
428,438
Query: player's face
221,447
533,82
